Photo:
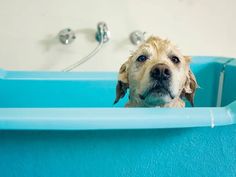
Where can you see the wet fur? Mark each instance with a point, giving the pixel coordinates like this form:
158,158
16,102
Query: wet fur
136,76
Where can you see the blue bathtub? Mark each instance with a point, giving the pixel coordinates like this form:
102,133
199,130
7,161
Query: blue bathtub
65,124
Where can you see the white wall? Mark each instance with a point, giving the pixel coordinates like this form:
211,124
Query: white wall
28,27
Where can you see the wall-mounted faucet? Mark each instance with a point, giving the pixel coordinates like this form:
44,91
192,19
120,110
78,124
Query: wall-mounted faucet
102,35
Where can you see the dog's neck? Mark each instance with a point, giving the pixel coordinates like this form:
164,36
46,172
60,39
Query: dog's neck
175,103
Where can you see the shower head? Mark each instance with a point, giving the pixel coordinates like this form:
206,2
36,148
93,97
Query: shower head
102,34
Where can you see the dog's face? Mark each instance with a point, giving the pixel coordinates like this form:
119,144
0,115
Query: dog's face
156,74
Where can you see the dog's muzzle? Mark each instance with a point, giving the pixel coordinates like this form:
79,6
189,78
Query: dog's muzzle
160,75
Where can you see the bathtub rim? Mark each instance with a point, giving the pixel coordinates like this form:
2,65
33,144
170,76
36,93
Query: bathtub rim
38,119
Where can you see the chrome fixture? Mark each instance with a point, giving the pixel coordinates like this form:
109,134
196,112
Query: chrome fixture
66,36
221,83
137,37
102,36
102,32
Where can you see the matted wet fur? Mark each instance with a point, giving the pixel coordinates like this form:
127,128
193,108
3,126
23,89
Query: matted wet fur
157,75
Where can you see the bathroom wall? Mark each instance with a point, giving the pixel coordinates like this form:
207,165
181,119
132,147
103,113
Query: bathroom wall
29,28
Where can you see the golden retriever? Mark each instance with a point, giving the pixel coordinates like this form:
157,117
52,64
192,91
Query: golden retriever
157,75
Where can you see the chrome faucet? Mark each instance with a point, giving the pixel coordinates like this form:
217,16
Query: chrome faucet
102,34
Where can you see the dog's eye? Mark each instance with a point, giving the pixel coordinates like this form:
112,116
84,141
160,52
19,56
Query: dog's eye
142,58
174,59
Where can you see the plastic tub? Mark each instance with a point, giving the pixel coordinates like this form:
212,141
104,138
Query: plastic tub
46,120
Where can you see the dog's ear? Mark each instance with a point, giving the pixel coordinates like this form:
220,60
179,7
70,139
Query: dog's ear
190,87
123,83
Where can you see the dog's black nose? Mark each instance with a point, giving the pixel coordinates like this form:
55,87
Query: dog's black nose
160,72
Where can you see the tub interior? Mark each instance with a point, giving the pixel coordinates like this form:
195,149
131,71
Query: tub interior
22,89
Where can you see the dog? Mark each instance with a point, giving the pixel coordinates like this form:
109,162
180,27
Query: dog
157,75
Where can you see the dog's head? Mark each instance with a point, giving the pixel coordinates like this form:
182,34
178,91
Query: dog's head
156,74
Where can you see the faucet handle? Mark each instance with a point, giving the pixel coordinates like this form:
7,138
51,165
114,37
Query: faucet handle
102,32
137,37
66,36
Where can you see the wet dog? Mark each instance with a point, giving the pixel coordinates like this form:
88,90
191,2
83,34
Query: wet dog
157,75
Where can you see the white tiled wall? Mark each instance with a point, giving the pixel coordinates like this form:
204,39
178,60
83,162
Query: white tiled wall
28,29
